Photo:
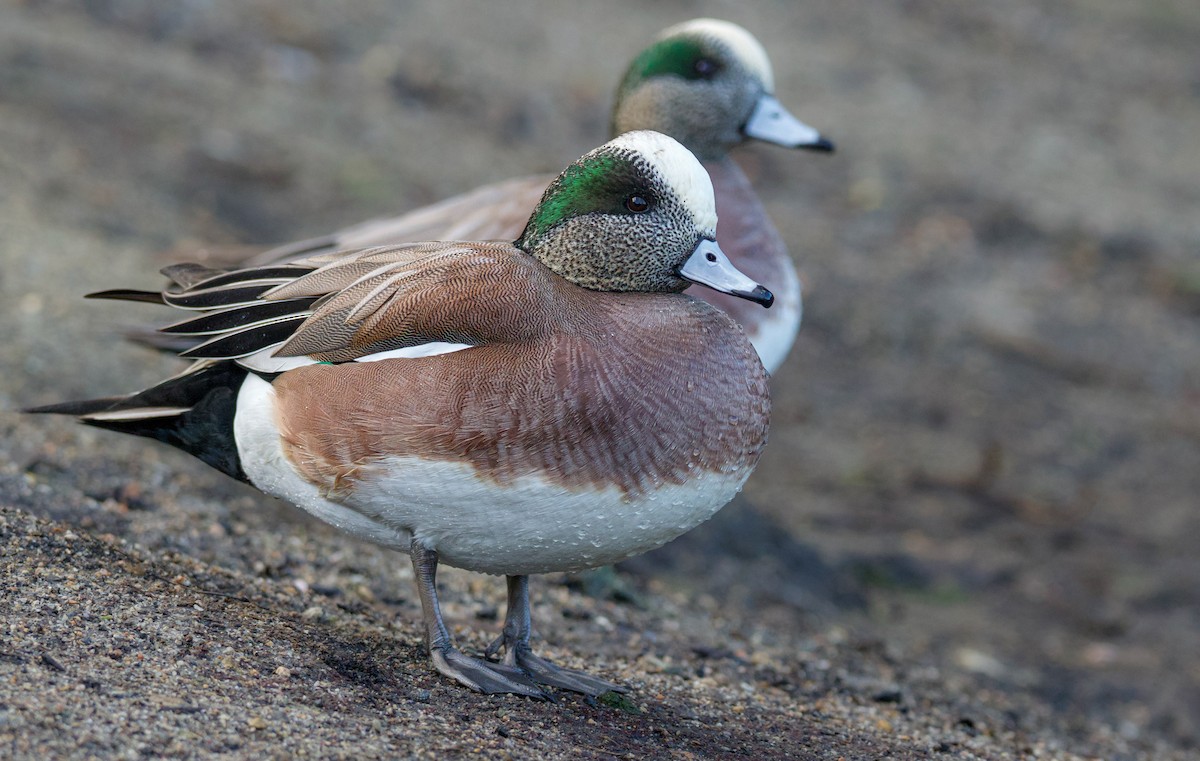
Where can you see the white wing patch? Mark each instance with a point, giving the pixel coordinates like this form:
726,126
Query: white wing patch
431,349
266,362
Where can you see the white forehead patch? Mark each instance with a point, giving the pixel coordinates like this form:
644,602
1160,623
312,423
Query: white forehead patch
744,45
680,170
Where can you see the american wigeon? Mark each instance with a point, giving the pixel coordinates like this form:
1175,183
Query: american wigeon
709,85
547,405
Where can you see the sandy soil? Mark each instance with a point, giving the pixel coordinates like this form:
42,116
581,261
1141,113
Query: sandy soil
972,535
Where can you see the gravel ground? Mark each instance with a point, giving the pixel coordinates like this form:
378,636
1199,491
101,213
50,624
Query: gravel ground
972,535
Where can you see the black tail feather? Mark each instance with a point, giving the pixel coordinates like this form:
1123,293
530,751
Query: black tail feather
218,298
167,344
238,317
247,341
206,400
77,408
128,294
204,431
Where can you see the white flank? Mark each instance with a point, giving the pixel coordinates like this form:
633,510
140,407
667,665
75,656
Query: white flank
260,449
680,170
528,526
743,44
776,329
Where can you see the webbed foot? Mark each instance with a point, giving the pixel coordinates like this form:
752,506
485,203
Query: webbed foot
518,654
484,676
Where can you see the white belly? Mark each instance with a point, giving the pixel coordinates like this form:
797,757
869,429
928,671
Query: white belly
528,526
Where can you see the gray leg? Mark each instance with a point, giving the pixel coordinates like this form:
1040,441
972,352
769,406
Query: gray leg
477,674
518,653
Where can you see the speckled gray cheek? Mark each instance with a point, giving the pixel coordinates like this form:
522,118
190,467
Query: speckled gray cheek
623,253
705,115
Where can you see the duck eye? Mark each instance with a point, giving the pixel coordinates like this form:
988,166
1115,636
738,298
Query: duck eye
705,67
637,203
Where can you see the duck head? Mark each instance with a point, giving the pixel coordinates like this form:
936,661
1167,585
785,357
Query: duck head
709,85
635,214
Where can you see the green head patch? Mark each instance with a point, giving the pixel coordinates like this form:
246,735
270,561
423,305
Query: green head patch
684,57
598,183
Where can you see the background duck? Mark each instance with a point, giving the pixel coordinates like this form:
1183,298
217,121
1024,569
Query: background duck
553,404
708,84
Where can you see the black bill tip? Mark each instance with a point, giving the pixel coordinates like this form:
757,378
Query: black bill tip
822,144
759,295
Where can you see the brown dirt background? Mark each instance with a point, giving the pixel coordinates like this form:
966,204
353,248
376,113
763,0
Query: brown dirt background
973,534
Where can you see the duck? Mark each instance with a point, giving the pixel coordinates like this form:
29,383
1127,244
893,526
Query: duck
551,404
709,84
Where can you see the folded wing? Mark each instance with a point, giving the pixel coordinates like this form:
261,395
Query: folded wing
349,305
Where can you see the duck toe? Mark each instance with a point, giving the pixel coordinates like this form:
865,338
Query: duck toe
546,673
484,676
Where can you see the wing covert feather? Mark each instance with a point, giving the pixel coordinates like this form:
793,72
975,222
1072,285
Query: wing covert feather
391,298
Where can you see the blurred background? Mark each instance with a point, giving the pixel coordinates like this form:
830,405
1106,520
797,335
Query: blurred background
985,450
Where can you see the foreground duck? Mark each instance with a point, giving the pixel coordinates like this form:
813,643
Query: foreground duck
709,85
548,405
